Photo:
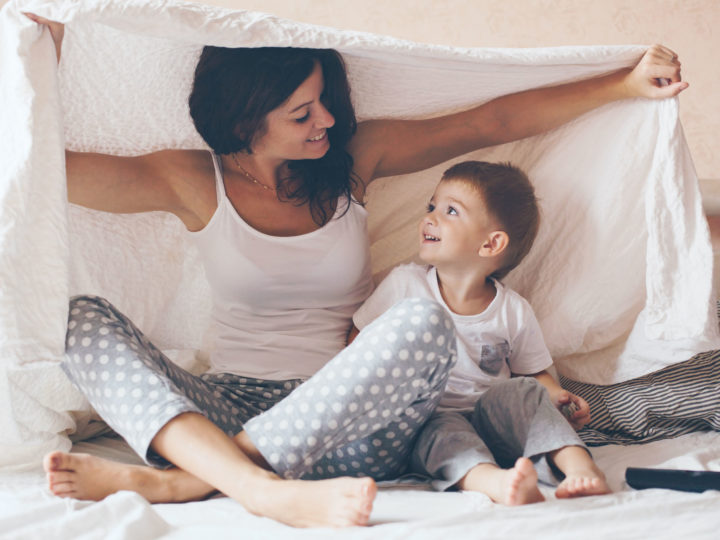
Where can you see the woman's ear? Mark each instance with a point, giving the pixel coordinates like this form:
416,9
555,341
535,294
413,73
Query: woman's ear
241,133
494,244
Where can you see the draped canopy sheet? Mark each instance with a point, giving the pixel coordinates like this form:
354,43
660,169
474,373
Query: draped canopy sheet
620,275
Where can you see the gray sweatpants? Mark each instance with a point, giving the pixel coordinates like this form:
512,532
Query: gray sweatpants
510,420
358,416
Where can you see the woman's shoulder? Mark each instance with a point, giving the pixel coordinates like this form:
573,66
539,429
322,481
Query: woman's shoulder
173,160
366,147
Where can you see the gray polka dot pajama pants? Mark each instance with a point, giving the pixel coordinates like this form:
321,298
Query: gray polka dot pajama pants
357,416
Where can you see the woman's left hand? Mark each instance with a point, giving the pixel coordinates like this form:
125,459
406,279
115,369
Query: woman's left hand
57,30
656,76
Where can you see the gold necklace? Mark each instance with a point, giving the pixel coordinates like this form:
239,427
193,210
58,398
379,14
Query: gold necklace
250,176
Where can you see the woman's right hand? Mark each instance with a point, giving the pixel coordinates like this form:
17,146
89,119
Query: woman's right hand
656,75
57,30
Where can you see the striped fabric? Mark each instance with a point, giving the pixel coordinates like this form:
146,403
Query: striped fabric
676,400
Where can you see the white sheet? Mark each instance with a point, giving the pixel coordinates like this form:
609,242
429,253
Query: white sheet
623,249
28,511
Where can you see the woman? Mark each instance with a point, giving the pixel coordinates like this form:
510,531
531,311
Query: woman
281,185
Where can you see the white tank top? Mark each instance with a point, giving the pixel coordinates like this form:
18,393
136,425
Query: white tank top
282,306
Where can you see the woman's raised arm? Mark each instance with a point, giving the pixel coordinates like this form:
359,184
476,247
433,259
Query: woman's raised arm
161,181
153,182
391,147
57,30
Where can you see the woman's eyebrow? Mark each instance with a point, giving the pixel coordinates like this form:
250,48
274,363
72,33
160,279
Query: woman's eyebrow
301,106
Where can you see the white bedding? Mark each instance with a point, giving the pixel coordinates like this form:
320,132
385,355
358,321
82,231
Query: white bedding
620,275
28,511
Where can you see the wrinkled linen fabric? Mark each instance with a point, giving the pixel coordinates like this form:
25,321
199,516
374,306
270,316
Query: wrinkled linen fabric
620,275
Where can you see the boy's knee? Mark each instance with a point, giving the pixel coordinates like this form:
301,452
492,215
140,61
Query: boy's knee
528,386
512,392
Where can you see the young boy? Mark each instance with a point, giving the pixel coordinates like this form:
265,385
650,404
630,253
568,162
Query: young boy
499,418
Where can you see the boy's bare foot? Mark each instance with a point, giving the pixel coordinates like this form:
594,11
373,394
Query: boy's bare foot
582,476
521,484
582,484
522,487
82,476
512,487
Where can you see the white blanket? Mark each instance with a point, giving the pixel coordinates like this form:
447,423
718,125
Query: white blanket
620,276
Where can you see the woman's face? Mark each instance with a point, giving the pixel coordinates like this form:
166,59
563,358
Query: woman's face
297,129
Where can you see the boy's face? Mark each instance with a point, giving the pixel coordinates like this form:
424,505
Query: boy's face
456,226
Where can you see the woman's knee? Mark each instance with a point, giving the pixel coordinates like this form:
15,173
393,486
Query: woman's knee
87,309
414,338
88,301
95,326
423,315
414,324
85,314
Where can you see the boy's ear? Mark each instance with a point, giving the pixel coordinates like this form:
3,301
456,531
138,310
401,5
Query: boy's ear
494,244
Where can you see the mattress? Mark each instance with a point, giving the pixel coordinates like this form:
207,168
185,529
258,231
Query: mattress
403,509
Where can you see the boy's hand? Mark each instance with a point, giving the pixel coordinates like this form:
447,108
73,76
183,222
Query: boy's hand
581,416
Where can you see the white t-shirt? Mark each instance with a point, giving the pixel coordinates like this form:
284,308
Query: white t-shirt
504,339
282,304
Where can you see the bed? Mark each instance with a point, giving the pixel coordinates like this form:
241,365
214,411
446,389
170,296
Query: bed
608,314
402,510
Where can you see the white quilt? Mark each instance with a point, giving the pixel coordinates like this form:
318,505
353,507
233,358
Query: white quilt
620,276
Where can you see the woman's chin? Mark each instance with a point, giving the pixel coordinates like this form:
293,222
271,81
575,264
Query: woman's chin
318,149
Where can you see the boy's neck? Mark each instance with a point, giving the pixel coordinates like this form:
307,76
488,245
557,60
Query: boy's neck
465,293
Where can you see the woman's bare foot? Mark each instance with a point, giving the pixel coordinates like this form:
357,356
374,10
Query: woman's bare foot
338,502
82,476
512,487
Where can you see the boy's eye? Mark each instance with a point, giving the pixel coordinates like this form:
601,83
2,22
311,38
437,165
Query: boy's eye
303,119
452,211
430,207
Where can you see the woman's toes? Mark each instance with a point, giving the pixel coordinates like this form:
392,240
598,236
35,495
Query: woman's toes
52,461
